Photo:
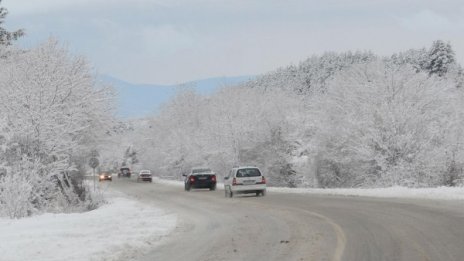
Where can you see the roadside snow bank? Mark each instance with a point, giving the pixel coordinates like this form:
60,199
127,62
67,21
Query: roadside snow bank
170,182
180,183
443,193
120,230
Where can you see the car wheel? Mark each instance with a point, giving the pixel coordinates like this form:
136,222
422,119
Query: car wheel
263,193
231,194
258,193
212,187
187,188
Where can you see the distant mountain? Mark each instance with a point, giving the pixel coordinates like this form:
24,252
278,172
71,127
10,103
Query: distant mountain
140,100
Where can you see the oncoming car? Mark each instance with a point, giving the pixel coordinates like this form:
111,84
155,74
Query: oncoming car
145,175
124,172
105,176
244,180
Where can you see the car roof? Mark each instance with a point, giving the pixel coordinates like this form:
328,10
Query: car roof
246,167
205,167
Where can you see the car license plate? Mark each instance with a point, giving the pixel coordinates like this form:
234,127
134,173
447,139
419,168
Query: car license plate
248,182
202,178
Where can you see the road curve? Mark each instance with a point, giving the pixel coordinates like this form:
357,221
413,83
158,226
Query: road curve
283,226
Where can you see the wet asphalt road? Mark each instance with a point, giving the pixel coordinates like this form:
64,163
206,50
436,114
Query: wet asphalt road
302,227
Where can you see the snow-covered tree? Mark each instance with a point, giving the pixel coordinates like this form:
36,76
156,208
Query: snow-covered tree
7,37
52,111
441,58
235,126
339,119
416,58
311,74
383,125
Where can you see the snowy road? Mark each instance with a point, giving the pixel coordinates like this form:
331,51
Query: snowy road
303,227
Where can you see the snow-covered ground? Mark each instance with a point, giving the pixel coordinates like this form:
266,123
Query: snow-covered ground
442,193
123,229
120,230
170,182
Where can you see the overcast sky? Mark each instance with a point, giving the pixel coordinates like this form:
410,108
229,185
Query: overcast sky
173,41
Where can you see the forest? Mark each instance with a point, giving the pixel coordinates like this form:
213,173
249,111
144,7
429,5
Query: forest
352,119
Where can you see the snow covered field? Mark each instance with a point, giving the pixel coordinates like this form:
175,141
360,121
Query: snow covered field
120,230
442,193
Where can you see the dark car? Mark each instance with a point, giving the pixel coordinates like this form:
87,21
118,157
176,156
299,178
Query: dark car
200,178
145,175
124,172
105,176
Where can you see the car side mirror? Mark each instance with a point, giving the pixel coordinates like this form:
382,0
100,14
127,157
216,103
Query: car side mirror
184,175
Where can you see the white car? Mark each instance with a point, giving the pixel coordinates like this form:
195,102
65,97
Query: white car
244,180
145,175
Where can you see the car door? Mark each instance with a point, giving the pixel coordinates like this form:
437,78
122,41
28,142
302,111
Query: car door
228,179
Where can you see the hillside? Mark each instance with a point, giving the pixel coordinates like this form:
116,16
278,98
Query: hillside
140,100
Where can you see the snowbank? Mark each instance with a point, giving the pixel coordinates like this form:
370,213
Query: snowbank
443,193
180,183
120,230
170,182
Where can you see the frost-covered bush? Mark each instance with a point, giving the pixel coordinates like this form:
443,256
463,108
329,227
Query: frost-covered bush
386,125
16,193
51,111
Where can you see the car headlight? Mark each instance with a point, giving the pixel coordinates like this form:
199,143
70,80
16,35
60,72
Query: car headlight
102,177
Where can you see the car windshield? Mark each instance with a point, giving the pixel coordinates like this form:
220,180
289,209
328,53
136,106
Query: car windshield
194,171
251,172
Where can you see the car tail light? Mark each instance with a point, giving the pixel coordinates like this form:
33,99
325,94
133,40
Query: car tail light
192,179
213,178
263,180
234,182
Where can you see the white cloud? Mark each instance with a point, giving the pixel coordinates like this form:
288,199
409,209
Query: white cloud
33,7
427,20
170,41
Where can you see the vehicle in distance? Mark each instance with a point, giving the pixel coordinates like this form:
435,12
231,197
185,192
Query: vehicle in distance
124,172
200,178
244,180
105,176
145,175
